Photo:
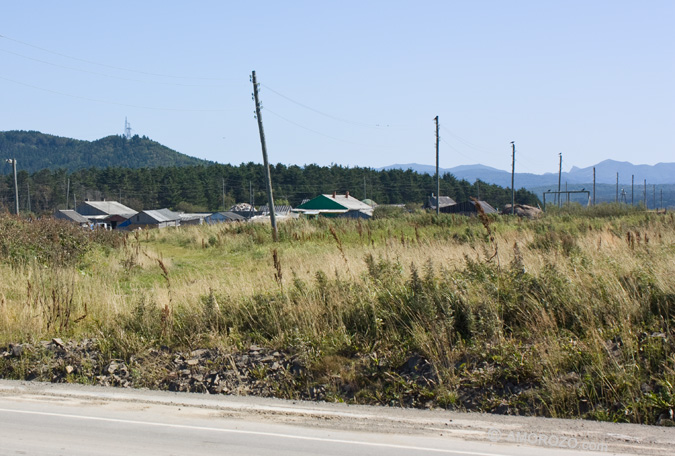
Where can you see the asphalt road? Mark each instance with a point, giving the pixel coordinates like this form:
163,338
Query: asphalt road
45,419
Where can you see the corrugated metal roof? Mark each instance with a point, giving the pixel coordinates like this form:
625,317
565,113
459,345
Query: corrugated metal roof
193,216
349,202
110,207
162,215
443,201
231,215
468,207
70,214
277,209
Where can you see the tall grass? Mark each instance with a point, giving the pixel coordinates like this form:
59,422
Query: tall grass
567,316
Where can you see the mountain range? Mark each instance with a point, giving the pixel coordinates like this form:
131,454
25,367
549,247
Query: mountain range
605,173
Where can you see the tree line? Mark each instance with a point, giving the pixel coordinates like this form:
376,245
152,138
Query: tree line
217,187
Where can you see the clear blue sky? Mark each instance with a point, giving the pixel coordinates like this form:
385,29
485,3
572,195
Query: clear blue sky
355,83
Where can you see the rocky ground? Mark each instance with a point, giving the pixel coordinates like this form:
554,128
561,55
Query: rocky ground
265,372
257,371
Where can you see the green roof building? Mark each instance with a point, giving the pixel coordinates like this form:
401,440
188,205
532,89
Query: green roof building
335,206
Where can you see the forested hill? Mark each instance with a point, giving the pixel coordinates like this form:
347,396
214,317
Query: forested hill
200,188
35,151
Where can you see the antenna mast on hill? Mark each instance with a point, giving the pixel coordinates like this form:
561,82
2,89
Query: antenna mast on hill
127,129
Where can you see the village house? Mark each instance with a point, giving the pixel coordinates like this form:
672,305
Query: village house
157,218
105,213
442,201
71,215
335,205
468,208
222,217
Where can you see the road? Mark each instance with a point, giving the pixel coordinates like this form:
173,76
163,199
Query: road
46,419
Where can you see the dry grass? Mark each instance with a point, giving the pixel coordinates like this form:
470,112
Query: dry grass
576,311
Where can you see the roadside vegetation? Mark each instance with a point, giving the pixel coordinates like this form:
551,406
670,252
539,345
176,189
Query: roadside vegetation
572,315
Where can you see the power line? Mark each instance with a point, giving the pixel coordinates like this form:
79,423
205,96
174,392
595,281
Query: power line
318,132
103,74
106,65
351,122
110,102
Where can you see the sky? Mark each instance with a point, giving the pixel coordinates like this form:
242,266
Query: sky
352,83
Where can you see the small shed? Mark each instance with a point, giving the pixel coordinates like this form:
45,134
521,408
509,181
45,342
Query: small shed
278,210
157,218
71,215
468,208
442,201
224,217
192,218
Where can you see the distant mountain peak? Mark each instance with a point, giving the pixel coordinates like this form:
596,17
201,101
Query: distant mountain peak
606,170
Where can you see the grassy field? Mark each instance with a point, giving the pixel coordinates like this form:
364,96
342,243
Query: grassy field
572,315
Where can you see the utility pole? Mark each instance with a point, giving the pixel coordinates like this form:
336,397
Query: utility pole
616,200
364,187
632,189
438,175
28,195
559,175
224,208
268,178
594,186
12,161
68,194
250,198
513,177
567,199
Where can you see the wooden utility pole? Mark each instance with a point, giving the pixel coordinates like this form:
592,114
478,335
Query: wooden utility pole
513,178
438,175
68,195
268,178
12,161
559,175
594,186
224,208
28,195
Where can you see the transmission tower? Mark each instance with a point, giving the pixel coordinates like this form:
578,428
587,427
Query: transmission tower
127,129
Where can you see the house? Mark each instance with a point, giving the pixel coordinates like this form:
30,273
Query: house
443,201
222,217
157,218
108,213
468,208
71,216
335,206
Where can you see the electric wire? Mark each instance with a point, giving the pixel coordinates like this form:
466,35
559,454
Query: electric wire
350,122
318,132
103,74
106,65
110,102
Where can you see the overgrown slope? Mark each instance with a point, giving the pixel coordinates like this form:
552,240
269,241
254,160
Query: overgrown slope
35,151
567,316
